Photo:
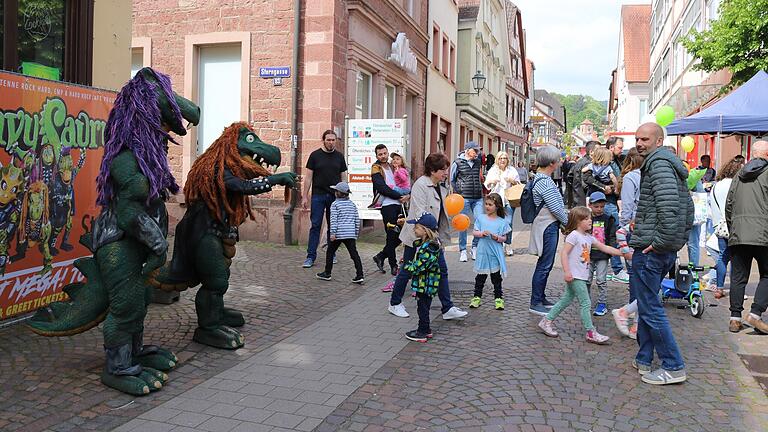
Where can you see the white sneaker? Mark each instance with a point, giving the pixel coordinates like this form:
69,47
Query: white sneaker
453,313
474,253
398,310
509,249
621,277
463,256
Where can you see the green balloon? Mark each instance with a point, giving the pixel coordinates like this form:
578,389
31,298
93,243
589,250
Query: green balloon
665,115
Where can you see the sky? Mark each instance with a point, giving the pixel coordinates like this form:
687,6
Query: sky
573,43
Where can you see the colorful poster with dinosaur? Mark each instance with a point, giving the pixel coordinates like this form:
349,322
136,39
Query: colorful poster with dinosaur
51,140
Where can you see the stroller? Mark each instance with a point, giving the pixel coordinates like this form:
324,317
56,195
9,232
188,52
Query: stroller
686,286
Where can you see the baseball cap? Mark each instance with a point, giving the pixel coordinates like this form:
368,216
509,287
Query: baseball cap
469,145
426,220
596,197
342,187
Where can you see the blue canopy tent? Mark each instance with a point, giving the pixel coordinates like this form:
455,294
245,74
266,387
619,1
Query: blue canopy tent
743,111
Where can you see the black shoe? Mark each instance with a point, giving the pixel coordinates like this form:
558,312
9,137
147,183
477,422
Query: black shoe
324,276
414,335
379,260
358,279
394,270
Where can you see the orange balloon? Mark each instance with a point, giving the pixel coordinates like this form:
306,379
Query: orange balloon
460,222
454,204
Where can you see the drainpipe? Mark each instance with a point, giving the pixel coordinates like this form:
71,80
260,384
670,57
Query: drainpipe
288,213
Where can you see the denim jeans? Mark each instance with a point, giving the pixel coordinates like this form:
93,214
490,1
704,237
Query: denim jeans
723,258
403,276
612,210
423,303
509,217
544,264
653,329
472,207
321,205
693,244
389,215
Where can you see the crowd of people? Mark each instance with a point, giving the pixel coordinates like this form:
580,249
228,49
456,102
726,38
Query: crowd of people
630,214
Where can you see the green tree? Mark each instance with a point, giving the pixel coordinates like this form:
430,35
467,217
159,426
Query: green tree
737,40
581,107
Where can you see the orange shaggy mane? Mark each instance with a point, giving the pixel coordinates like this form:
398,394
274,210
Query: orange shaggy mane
205,181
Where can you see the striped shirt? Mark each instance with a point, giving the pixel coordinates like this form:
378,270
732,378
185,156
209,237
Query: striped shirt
546,190
345,221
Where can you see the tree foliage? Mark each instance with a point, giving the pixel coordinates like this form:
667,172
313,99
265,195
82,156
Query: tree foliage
580,107
737,40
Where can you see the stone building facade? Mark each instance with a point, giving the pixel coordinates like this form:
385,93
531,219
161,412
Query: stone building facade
215,52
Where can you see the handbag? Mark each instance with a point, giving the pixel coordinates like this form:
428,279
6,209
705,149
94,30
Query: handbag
513,194
721,229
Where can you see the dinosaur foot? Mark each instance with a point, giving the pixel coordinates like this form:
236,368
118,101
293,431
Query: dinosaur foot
219,337
139,385
232,318
153,357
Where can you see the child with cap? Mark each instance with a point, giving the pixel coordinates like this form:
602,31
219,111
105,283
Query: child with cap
344,228
604,231
425,272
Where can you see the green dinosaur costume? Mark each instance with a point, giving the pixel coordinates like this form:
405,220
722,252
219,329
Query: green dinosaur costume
217,190
128,237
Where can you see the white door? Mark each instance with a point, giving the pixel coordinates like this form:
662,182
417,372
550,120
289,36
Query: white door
219,91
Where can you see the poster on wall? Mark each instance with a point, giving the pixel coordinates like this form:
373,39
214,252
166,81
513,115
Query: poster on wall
51,144
363,135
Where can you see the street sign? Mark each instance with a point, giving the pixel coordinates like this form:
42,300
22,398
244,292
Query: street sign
275,72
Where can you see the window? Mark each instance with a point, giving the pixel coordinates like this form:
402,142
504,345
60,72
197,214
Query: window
446,57
453,62
506,108
436,46
48,39
363,99
389,101
137,60
219,87
643,110
665,81
713,7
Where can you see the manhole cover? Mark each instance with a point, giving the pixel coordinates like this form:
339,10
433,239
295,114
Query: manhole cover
461,285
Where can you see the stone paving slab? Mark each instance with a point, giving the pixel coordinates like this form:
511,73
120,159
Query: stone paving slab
295,383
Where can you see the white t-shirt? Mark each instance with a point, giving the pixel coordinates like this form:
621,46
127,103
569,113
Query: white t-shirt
578,259
717,198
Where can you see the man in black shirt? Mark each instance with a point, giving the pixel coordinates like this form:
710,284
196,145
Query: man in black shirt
324,169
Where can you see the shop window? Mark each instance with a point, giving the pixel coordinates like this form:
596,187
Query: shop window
363,98
50,39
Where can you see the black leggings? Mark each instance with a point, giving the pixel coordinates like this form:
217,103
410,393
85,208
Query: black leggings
389,215
495,280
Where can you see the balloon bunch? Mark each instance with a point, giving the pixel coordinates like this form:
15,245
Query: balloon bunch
664,117
454,204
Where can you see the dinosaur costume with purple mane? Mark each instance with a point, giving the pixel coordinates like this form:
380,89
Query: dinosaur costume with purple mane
128,238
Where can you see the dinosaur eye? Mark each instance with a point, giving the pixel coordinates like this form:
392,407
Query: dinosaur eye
3,185
250,138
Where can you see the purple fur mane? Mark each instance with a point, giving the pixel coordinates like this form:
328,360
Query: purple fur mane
135,124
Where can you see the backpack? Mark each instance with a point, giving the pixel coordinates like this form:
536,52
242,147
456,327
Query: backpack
528,209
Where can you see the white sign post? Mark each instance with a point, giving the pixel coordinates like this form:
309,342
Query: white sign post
362,137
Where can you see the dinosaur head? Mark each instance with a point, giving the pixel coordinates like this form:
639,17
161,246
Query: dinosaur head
250,146
188,110
11,179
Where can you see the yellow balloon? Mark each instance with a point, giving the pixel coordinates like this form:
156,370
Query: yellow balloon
687,144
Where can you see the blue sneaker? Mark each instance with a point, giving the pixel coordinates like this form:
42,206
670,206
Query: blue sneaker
600,310
538,310
309,262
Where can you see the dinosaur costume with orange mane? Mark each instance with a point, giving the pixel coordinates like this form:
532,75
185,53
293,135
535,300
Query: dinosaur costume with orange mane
217,189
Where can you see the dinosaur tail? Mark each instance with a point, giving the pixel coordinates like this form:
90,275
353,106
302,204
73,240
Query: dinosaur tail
87,305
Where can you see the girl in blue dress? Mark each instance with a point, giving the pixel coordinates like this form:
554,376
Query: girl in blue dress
492,229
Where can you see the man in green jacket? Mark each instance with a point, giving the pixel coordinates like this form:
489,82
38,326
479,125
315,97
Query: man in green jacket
746,213
662,223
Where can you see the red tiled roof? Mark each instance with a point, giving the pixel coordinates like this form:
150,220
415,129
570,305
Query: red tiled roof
636,28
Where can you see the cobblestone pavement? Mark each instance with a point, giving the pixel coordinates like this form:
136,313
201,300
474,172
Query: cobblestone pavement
327,356
53,383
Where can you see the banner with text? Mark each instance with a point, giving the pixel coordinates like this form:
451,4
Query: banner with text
363,135
51,144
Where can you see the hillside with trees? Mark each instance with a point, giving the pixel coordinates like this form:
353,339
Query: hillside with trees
580,107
